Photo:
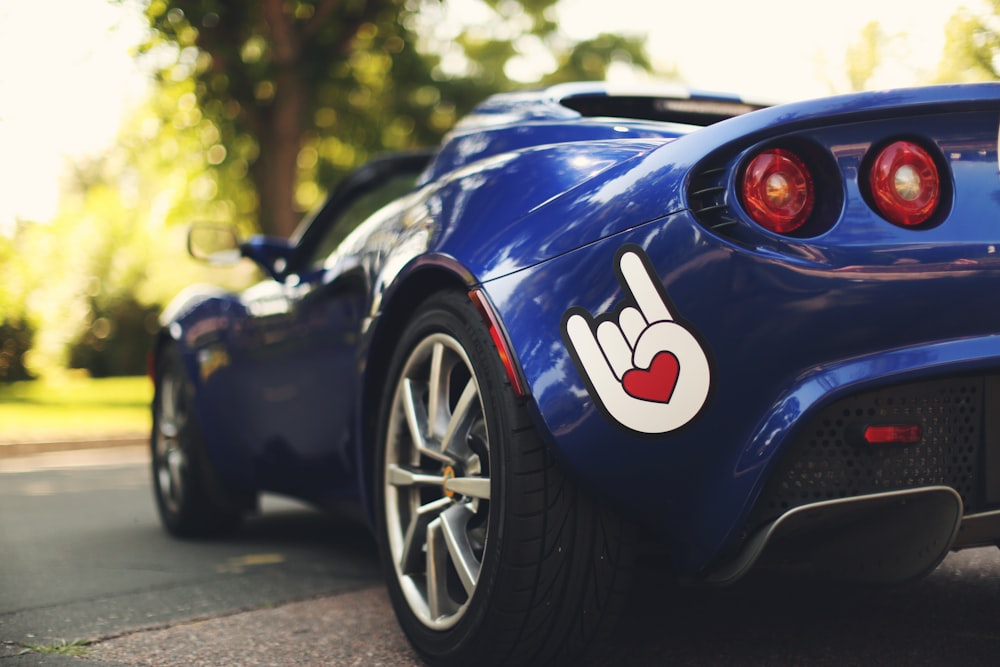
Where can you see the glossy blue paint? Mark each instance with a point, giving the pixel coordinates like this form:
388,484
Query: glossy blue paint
863,304
270,254
784,339
533,203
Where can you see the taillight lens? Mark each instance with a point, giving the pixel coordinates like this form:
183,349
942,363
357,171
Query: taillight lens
777,190
905,184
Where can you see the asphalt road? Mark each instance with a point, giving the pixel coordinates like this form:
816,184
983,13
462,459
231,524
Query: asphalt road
83,558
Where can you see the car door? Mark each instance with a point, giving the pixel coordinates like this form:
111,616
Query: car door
300,343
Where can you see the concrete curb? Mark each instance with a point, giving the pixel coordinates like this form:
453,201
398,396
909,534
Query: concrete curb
15,448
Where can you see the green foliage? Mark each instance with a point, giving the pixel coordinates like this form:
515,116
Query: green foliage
865,55
118,339
295,93
258,109
972,46
115,250
16,337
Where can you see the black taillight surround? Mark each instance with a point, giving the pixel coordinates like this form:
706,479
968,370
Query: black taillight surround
828,187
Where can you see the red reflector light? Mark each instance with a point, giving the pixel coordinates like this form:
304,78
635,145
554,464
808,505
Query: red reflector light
905,184
887,434
500,341
777,190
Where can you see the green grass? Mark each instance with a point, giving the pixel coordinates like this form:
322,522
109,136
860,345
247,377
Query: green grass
74,408
75,649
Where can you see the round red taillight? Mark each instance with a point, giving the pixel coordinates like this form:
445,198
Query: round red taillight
905,184
777,190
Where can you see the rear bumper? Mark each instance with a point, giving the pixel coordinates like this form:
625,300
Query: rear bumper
959,447
881,538
840,506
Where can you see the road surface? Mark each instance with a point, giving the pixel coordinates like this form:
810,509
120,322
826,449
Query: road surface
82,557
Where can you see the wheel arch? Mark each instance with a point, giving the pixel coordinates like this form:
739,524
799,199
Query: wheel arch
401,303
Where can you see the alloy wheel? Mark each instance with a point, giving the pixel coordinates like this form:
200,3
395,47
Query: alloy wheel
170,459
437,481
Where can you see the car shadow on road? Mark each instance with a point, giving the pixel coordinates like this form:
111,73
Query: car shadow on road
951,617
305,526
766,619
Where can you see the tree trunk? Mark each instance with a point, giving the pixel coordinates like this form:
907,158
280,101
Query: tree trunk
276,169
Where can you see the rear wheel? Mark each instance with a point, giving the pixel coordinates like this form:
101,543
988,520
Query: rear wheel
189,497
493,557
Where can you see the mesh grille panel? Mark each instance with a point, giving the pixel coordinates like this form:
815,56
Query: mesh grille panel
830,458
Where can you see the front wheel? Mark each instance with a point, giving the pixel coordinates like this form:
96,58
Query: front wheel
493,556
189,496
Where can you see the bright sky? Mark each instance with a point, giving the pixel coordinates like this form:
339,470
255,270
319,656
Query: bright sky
778,49
66,73
65,77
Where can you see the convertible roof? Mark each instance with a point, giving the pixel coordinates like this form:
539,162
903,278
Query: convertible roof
564,102
659,103
689,111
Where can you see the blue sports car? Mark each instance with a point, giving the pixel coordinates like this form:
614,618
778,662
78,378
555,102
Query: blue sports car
594,320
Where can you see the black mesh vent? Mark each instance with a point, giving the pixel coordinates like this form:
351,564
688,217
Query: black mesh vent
830,458
707,197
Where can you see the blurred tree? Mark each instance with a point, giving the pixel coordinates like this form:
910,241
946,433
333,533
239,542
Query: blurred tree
89,282
117,338
972,45
217,133
19,274
864,56
299,91
16,337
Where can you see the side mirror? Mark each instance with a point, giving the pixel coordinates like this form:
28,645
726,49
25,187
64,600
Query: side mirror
218,245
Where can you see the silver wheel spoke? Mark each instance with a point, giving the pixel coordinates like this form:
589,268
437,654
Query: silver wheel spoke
417,422
168,411
399,476
175,464
454,436
454,522
415,419
473,487
437,388
416,535
439,603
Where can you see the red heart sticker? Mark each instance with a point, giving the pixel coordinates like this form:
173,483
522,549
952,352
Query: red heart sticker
657,383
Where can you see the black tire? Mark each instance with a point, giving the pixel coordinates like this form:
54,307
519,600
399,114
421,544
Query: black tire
189,497
546,568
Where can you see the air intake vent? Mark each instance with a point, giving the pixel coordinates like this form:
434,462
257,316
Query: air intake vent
707,198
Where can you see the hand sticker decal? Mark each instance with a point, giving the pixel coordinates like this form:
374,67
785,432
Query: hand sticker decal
644,370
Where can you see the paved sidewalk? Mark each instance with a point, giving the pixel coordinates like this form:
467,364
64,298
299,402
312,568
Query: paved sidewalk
355,628
14,446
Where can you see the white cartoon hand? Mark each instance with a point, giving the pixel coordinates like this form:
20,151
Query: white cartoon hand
648,372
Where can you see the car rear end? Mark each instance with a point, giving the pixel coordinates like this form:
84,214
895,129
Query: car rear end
889,214
838,261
